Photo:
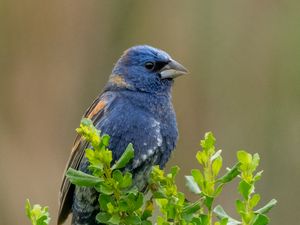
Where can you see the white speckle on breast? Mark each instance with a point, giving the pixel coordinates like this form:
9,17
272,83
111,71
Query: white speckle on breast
153,143
136,163
150,152
144,157
156,124
159,140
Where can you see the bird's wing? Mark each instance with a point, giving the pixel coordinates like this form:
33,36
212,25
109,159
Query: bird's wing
95,112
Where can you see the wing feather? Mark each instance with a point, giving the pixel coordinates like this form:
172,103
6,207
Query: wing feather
95,112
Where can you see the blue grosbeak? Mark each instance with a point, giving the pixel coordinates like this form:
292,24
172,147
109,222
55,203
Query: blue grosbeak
134,107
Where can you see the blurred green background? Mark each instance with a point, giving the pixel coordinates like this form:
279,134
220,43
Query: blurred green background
244,85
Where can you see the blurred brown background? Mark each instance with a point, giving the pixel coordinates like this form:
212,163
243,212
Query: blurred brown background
244,85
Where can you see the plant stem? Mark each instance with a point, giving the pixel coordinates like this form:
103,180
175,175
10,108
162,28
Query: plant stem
209,216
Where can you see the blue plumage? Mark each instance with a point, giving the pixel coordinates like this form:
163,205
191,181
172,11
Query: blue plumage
134,107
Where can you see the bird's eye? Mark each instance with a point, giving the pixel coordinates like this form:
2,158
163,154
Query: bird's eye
149,65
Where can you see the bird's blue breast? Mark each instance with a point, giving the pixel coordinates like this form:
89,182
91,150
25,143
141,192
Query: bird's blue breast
145,120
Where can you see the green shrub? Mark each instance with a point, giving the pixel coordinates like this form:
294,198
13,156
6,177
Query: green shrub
122,203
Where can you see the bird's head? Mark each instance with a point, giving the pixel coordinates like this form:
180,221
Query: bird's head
144,68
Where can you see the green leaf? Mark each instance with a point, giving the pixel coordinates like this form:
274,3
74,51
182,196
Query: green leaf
230,175
196,221
208,201
103,217
125,158
123,205
42,220
132,202
174,171
115,219
162,202
217,165
204,219
254,200
201,157
180,198
28,208
240,206
192,185
265,209
159,195
245,189
117,176
208,142
148,210
111,208
82,179
104,188
92,157
132,219
146,222
89,132
38,215
171,211
105,140
219,211
218,190
161,221
156,173
198,177
86,122
126,181
106,156
190,209
104,200
244,157
255,161
139,200
258,176
224,221
260,219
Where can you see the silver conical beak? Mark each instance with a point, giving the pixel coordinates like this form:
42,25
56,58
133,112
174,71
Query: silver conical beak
172,70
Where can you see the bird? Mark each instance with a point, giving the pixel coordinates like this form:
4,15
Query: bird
135,107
